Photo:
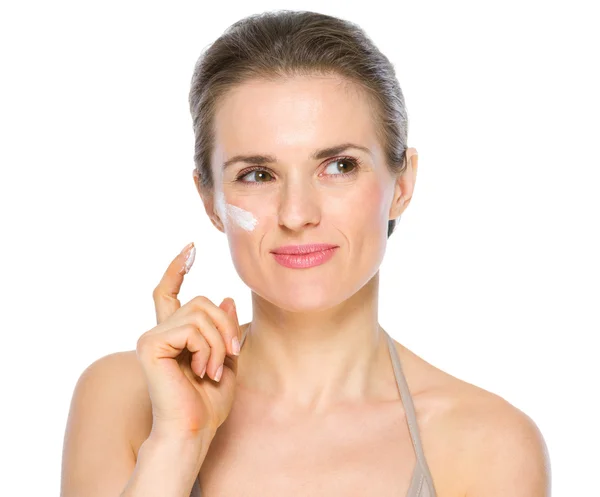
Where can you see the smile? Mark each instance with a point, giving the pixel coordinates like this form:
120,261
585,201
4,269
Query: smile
299,261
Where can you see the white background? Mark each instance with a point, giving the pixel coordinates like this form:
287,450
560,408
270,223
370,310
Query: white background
492,274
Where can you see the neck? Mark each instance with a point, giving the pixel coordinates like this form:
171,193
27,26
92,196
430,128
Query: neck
318,359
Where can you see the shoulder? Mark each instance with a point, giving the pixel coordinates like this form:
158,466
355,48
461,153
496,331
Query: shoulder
103,417
120,371
504,451
121,375
116,362
496,448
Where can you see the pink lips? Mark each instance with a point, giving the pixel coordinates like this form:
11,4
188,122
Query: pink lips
304,256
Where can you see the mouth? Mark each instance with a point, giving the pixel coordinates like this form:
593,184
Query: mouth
303,249
304,256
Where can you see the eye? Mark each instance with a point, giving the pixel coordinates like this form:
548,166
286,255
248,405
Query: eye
260,174
349,167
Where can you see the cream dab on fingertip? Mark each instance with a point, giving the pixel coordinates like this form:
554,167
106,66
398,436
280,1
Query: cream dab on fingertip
190,259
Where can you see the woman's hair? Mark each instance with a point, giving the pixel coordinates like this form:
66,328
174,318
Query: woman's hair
284,43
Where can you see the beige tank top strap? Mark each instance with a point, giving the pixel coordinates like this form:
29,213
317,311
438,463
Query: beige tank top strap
244,336
421,472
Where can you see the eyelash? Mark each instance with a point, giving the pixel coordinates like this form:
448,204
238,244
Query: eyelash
354,161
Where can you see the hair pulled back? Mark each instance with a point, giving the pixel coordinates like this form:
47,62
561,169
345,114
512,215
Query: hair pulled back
280,44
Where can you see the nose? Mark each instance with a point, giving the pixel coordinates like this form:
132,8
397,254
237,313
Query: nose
299,205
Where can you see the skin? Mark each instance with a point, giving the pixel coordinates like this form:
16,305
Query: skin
316,393
319,342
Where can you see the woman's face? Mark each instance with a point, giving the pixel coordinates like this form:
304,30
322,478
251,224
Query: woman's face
295,197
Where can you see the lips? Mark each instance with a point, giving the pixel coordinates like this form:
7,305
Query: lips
303,249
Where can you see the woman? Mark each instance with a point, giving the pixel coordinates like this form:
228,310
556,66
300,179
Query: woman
302,162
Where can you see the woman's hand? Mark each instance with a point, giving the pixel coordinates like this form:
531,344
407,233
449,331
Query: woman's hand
188,340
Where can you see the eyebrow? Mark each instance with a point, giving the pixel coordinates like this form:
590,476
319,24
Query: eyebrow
259,160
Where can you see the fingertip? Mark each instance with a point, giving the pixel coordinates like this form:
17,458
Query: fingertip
233,311
189,253
235,346
235,342
228,305
185,249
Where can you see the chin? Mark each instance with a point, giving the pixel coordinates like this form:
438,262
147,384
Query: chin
307,297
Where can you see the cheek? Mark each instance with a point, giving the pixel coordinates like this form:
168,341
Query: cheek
362,210
234,217
245,228
242,218
249,218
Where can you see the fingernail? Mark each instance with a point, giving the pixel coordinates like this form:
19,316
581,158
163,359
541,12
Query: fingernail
219,373
203,371
184,249
189,260
235,345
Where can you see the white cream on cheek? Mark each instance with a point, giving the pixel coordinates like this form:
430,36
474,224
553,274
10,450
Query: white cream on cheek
243,218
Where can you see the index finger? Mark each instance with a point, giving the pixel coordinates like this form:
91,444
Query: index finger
165,293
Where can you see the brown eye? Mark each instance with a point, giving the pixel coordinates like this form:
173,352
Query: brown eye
259,175
348,165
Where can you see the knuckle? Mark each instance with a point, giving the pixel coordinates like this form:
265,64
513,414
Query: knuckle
202,321
201,338
147,338
156,292
160,297
205,326
221,348
142,338
199,301
192,328
141,344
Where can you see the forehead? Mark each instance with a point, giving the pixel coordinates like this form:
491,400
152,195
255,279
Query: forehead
292,116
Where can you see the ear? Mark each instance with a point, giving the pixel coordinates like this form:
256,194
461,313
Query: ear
208,199
405,185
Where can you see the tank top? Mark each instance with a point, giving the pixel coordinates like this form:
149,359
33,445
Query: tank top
421,484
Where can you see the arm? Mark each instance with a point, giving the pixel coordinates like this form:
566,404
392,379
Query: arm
167,468
98,457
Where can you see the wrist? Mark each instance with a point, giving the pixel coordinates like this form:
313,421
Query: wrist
167,466
199,438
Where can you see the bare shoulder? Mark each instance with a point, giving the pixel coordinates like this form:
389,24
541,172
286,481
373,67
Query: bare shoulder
505,452
125,366
105,412
498,449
